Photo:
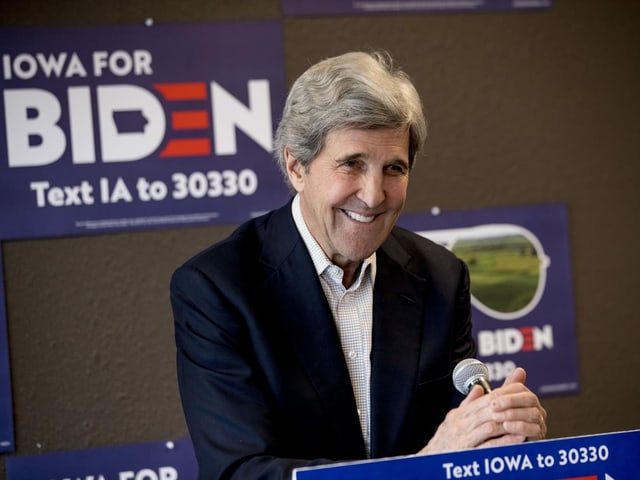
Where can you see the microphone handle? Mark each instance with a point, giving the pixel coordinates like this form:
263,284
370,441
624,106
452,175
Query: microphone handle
482,381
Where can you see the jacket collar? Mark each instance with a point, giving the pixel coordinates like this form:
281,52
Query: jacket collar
311,331
305,318
397,341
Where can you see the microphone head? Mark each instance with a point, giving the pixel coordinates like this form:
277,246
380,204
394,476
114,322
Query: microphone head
469,372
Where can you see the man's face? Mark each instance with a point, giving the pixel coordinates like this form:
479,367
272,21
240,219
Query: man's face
353,191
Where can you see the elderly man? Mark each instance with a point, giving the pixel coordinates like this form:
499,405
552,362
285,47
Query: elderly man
321,331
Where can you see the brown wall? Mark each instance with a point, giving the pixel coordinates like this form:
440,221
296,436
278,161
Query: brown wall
523,108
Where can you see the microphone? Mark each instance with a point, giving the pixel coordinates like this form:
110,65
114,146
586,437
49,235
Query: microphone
469,373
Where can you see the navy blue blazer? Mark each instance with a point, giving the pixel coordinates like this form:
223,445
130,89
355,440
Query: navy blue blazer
262,376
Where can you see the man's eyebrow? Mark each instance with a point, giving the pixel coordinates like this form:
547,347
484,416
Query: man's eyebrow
360,155
350,156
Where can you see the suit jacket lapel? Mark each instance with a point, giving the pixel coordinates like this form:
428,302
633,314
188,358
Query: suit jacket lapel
397,338
305,318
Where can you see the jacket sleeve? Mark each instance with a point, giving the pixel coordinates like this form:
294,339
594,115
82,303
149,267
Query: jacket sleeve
225,401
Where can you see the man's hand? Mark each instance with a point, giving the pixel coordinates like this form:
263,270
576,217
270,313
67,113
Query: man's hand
509,414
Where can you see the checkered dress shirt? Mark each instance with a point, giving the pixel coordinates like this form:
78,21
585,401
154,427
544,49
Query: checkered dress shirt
352,311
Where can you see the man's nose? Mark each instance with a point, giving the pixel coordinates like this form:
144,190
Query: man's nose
372,189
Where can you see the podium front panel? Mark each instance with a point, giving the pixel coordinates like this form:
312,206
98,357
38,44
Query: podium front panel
611,456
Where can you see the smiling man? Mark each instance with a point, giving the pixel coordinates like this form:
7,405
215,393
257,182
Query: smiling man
322,332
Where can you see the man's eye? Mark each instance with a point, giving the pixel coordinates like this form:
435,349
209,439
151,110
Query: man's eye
398,169
350,164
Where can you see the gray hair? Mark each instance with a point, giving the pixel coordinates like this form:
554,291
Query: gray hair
353,90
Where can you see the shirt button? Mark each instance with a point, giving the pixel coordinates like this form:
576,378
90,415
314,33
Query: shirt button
352,354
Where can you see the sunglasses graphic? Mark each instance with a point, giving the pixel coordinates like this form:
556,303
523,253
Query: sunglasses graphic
507,266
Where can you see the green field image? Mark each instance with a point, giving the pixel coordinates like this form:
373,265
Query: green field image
504,270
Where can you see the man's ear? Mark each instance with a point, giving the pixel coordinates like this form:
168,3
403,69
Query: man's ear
294,170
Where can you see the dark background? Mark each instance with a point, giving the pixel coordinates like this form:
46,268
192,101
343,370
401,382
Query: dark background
523,108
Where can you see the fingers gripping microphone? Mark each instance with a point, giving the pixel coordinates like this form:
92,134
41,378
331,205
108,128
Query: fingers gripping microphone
469,373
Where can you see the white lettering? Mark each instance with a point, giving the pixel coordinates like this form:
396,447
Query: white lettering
508,463
33,136
156,190
164,473
99,62
120,192
81,125
167,473
31,66
512,340
486,345
145,125
67,195
146,474
75,67
461,471
121,63
543,337
6,67
230,113
40,188
52,64
500,370
142,62
25,66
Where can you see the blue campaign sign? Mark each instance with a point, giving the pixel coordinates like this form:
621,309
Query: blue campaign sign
342,7
521,288
612,456
170,460
117,128
113,128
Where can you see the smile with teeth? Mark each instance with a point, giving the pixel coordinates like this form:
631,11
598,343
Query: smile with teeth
359,218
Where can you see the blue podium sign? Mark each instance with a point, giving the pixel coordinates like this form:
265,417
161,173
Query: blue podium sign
612,456
168,460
